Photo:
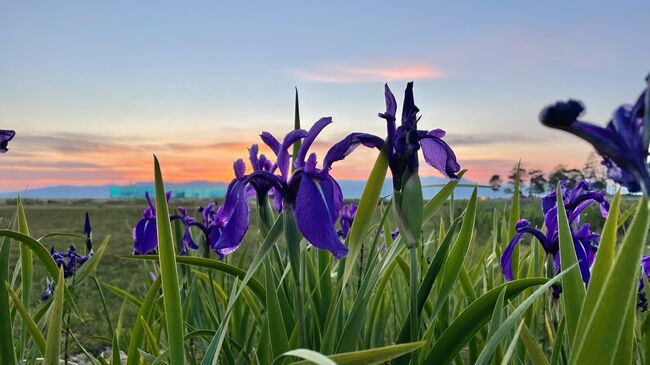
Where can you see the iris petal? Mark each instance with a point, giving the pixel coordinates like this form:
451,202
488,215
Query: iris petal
346,146
440,156
315,220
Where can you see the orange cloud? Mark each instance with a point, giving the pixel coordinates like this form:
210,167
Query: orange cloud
341,74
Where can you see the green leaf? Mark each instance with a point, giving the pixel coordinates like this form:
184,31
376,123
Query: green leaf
535,353
137,333
457,254
573,287
598,340
505,328
53,344
256,287
26,273
511,348
364,357
44,256
168,273
472,319
603,262
6,335
512,222
115,350
432,206
27,320
278,335
365,213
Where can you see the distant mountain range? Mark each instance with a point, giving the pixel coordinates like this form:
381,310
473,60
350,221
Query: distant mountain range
352,189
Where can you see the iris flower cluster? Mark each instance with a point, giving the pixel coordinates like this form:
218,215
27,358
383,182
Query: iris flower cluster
585,242
304,190
70,260
5,137
211,225
308,192
623,143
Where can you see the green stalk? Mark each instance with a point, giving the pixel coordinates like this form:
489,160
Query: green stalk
414,296
26,274
293,237
7,355
168,273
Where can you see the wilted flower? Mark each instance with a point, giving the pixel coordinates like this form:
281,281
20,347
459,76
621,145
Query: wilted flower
348,212
309,192
585,242
623,144
5,137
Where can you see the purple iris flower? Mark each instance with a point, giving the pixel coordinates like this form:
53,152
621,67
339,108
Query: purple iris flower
623,143
348,212
5,137
403,142
642,299
145,234
585,242
308,192
71,260
212,224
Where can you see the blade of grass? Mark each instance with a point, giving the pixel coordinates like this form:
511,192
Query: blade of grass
504,330
365,213
364,357
7,355
168,273
572,284
26,274
53,344
599,339
31,326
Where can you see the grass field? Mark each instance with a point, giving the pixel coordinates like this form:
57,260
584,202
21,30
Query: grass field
116,218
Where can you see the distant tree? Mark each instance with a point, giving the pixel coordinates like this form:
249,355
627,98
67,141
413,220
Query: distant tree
594,172
538,183
562,173
517,172
495,183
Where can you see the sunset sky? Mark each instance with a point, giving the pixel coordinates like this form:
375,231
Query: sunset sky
93,89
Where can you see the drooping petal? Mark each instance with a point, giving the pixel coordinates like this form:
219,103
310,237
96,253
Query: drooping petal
236,210
506,258
315,219
440,156
347,145
145,236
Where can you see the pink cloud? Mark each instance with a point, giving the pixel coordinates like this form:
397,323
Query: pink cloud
340,74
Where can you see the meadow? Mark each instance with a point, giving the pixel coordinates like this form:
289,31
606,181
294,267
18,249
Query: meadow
115,218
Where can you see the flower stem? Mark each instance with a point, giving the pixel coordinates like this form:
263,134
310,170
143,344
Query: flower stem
414,293
293,238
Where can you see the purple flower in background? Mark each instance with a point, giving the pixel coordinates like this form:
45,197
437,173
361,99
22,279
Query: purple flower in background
348,212
403,142
642,299
5,137
145,235
623,143
308,192
585,242
88,231
70,260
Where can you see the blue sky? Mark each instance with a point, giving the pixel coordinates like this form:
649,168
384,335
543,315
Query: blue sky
94,88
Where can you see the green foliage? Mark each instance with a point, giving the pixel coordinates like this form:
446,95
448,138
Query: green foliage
279,300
